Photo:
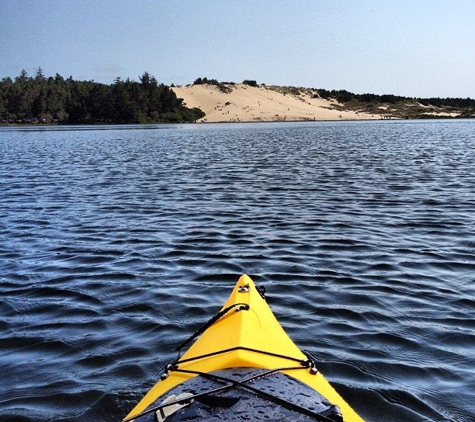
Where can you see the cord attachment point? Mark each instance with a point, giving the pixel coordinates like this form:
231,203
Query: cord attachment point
244,289
310,364
242,307
262,291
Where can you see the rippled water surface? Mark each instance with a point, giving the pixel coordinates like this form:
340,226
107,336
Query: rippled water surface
116,243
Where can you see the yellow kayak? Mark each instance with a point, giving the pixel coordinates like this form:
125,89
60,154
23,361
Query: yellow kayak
243,366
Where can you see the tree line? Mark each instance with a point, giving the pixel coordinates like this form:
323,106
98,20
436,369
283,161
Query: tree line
40,99
344,96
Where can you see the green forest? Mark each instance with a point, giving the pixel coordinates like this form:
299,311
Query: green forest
40,99
343,96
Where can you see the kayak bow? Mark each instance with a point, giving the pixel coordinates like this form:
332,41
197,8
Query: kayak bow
245,352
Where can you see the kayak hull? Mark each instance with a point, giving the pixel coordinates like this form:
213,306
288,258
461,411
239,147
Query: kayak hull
245,334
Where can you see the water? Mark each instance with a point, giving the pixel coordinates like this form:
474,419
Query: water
116,243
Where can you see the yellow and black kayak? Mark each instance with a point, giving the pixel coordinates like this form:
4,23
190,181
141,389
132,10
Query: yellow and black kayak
243,367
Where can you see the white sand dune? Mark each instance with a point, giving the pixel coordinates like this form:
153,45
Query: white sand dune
252,104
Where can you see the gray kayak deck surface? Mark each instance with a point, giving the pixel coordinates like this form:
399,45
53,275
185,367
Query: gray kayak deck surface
261,395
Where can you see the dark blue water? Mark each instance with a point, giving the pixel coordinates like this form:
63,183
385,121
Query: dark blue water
116,243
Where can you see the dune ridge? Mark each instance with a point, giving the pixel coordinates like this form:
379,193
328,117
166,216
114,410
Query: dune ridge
245,103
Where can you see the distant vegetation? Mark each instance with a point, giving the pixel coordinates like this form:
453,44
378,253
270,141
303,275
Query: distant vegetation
401,107
222,86
40,99
225,87
343,96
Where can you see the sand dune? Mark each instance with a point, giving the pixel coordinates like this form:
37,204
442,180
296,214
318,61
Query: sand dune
263,103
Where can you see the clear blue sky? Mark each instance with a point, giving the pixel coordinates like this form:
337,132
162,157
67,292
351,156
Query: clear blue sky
420,48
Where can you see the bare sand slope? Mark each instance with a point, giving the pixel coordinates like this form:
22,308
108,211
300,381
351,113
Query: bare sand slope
251,104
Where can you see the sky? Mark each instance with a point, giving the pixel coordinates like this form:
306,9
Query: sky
413,48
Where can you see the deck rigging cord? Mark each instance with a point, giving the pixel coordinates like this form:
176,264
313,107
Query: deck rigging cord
203,328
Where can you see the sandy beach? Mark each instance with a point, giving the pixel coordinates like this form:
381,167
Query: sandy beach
245,103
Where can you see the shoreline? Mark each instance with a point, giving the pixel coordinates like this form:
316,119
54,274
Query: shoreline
199,122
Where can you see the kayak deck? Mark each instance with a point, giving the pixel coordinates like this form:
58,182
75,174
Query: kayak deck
247,394
244,334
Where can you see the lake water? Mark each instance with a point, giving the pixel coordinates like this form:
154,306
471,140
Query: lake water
117,242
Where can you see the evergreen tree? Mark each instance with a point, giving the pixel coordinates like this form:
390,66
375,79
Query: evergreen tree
41,99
